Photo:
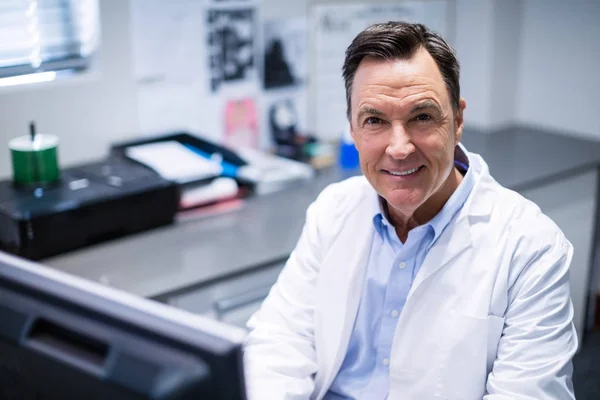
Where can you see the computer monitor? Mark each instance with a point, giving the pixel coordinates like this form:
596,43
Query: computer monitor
63,337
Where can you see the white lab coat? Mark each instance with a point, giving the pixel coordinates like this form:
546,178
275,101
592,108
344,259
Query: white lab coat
488,316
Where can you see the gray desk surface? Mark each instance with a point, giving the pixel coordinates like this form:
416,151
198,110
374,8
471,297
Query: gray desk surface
265,230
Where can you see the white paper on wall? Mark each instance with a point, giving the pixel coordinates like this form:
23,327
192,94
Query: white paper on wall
334,27
168,40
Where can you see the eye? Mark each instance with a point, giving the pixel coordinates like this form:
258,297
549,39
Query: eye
423,118
372,121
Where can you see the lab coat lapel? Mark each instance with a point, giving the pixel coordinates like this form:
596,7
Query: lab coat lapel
457,238
341,285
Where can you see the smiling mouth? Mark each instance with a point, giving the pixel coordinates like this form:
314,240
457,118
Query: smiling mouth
405,173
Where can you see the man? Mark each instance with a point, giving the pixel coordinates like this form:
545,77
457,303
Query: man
424,279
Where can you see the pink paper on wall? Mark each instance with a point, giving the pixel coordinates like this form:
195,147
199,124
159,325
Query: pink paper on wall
241,123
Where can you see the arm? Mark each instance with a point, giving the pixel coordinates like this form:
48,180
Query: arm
279,354
539,340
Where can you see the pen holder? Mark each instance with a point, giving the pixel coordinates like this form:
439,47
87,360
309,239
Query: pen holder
34,161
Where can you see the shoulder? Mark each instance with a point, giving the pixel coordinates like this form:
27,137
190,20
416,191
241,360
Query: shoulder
345,195
340,199
524,218
512,214
527,236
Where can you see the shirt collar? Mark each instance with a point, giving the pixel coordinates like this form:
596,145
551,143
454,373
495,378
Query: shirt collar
450,209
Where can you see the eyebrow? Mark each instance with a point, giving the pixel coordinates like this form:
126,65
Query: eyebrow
424,105
427,104
369,110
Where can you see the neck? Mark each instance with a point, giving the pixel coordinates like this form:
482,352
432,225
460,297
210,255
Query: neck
403,223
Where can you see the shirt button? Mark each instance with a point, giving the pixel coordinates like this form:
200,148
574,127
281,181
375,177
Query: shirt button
386,361
402,265
394,313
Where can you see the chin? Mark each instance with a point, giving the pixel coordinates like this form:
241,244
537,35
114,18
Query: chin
403,199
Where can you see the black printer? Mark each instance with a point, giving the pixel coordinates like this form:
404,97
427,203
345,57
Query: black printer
91,203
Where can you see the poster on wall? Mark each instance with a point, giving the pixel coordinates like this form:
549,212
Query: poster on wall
285,52
240,119
334,27
284,117
231,46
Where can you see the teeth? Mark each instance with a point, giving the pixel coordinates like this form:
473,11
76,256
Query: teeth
410,171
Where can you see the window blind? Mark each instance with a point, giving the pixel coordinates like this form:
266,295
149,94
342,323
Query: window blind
47,35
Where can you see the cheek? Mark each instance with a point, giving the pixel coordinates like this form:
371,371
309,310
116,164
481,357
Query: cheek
370,149
438,149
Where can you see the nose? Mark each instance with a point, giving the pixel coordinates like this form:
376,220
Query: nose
400,143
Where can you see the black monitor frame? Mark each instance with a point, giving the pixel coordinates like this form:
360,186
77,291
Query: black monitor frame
54,325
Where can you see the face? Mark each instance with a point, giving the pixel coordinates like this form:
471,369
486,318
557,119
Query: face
405,130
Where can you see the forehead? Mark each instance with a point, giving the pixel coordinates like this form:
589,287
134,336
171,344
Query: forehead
399,78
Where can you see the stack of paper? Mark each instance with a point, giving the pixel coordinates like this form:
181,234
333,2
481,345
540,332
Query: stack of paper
271,173
174,161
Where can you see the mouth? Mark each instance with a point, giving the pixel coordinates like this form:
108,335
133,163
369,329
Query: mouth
405,173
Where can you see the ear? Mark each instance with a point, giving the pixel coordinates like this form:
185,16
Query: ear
459,121
351,131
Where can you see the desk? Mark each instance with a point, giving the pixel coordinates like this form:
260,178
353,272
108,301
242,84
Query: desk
196,264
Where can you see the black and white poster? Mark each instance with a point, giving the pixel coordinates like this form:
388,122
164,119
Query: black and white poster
231,42
285,53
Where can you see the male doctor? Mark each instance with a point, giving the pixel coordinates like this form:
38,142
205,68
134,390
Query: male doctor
424,279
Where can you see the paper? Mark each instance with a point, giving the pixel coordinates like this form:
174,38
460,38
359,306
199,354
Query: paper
167,44
173,161
267,168
231,45
241,123
285,52
334,27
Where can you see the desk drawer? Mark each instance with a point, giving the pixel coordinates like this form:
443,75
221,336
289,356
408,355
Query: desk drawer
232,301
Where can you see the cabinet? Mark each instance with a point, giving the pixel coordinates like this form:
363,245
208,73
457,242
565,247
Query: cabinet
233,300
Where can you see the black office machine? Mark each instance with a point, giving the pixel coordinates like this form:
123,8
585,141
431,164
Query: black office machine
88,204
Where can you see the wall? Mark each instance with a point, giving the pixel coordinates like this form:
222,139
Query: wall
473,39
86,112
506,45
531,61
558,66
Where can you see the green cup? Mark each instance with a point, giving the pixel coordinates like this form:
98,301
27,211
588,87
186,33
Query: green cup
34,161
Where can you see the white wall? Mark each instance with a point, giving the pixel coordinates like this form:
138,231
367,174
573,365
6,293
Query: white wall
507,22
473,43
559,64
86,112
532,62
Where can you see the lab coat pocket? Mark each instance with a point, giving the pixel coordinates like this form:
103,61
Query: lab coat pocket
468,352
